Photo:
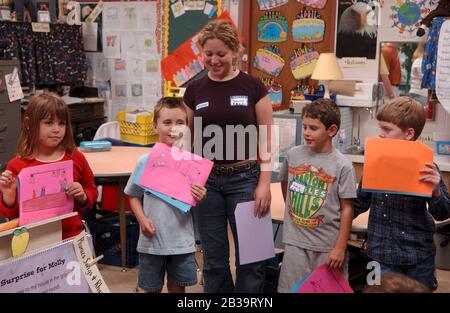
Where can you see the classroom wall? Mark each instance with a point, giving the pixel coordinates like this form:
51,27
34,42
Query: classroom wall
369,125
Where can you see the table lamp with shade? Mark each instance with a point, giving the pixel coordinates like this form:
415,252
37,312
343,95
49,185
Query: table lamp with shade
327,69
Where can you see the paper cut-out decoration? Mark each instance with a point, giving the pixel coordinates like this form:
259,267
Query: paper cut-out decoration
319,4
303,62
270,4
308,27
19,242
275,92
298,93
272,27
324,280
393,165
407,15
269,60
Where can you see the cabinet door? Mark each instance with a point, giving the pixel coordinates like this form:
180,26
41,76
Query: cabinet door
9,131
10,119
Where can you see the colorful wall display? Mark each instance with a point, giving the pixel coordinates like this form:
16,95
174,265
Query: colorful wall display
308,27
311,30
303,62
314,3
270,4
269,60
272,27
275,92
400,19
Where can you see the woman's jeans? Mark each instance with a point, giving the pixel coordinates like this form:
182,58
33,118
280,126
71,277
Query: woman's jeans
224,193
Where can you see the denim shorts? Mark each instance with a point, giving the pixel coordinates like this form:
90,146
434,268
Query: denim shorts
181,270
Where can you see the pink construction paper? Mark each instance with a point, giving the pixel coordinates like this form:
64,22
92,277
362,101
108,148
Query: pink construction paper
172,171
42,191
323,280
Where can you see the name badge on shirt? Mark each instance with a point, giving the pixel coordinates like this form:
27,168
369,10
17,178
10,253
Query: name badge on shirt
297,187
239,101
202,105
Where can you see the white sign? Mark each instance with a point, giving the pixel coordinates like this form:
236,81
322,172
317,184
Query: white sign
354,62
443,67
90,271
40,27
13,86
55,269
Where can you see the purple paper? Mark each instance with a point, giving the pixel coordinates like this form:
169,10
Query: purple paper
255,235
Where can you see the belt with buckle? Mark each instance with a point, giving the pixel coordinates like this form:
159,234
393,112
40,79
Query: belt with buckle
232,169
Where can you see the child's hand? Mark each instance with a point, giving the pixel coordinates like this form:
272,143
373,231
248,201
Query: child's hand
76,190
336,258
147,227
8,182
198,192
8,187
432,176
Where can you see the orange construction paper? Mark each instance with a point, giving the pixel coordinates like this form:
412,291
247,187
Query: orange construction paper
393,165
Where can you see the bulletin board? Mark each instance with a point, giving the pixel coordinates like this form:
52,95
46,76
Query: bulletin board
187,23
289,10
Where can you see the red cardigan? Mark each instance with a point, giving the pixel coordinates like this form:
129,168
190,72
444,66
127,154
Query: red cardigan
82,173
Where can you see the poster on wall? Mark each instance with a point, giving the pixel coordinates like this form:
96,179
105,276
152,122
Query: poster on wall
95,26
443,67
356,29
400,19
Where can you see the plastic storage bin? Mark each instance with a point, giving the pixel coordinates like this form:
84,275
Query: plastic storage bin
107,240
137,127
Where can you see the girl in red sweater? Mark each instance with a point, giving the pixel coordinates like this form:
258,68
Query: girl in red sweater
46,137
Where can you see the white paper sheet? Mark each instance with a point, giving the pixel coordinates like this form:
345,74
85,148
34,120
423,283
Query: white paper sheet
120,70
443,67
129,16
111,16
255,235
13,85
90,31
111,44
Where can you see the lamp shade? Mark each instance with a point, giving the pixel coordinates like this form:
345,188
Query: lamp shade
327,68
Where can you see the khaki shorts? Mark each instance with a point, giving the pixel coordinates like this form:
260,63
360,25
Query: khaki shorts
299,262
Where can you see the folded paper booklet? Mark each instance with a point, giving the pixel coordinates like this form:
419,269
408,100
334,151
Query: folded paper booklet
393,165
42,191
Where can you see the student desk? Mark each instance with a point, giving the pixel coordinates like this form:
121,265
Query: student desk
117,164
277,209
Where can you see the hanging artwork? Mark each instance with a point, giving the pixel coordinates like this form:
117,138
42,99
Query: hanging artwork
275,92
303,62
269,60
308,27
400,19
356,30
272,27
319,4
270,4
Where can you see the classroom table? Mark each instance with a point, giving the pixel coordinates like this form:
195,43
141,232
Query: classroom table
117,164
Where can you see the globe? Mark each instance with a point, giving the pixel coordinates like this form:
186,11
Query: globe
408,13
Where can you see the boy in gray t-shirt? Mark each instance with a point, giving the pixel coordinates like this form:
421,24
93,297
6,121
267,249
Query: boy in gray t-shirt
318,185
166,241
